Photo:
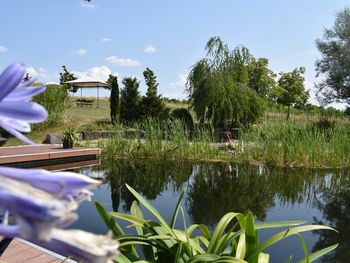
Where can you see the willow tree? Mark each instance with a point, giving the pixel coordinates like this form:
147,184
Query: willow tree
218,87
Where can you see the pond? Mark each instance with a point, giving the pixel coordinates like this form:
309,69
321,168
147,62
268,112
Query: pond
211,190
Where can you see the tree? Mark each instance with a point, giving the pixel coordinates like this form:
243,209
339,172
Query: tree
291,90
152,104
218,87
335,62
67,76
114,99
130,100
261,78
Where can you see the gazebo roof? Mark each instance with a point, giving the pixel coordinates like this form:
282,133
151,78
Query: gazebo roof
87,83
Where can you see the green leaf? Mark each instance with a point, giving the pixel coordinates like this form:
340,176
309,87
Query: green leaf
151,209
241,247
263,258
282,235
204,258
176,211
316,255
108,220
220,228
288,260
303,245
278,224
178,253
251,237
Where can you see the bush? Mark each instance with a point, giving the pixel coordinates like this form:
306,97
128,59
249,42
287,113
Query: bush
55,100
183,115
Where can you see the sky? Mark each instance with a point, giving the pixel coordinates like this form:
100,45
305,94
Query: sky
125,37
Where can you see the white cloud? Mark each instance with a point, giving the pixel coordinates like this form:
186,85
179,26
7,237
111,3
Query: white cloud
177,88
150,49
3,49
81,52
88,5
42,74
123,62
106,39
100,73
180,83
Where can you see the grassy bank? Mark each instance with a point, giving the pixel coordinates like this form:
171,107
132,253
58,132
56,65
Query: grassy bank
292,144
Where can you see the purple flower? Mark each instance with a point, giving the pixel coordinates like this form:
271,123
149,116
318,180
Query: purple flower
16,112
65,185
85,246
36,212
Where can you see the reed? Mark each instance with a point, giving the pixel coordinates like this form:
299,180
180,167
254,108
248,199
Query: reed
293,143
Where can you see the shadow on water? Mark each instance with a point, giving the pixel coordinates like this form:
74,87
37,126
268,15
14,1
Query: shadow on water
318,196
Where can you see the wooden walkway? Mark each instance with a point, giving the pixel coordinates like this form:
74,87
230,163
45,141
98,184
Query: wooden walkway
20,251
43,152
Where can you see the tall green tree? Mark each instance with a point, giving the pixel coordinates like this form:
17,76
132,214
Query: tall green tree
218,87
291,90
114,99
152,104
334,66
67,76
261,78
130,100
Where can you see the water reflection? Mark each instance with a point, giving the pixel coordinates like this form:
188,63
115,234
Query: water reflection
215,189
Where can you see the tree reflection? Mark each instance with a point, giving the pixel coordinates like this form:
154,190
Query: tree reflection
149,178
334,202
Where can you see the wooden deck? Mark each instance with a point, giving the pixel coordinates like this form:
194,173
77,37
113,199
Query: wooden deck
43,152
23,251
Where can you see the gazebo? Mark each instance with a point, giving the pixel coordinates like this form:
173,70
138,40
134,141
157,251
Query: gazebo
88,83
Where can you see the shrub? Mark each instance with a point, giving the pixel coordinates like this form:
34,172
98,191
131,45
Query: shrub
54,99
183,115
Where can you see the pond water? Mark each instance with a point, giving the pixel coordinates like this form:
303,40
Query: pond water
211,190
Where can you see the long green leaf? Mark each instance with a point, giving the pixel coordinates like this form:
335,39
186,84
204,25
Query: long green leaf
282,235
151,209
204,258
278,224
108,220
303,245
176,211
241,248
251,238
316,255
263,258
220,228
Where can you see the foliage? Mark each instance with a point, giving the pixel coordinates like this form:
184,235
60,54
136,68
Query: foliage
67,76
218,87
130,100
183,115
152,105
334,64
261,78
55,100
69,136
291,90
234,239
114,99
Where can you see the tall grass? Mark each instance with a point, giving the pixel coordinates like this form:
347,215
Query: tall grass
296,143
292,143
162,140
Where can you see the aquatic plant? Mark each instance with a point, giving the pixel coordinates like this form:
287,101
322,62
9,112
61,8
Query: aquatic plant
234,239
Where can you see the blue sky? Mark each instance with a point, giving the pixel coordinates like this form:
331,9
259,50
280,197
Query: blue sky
125,37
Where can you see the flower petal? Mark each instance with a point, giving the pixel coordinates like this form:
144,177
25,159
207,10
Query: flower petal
67,184
85,246
22,110
10,78
24,93
5,125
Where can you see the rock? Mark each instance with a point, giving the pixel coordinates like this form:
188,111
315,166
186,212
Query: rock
56,139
